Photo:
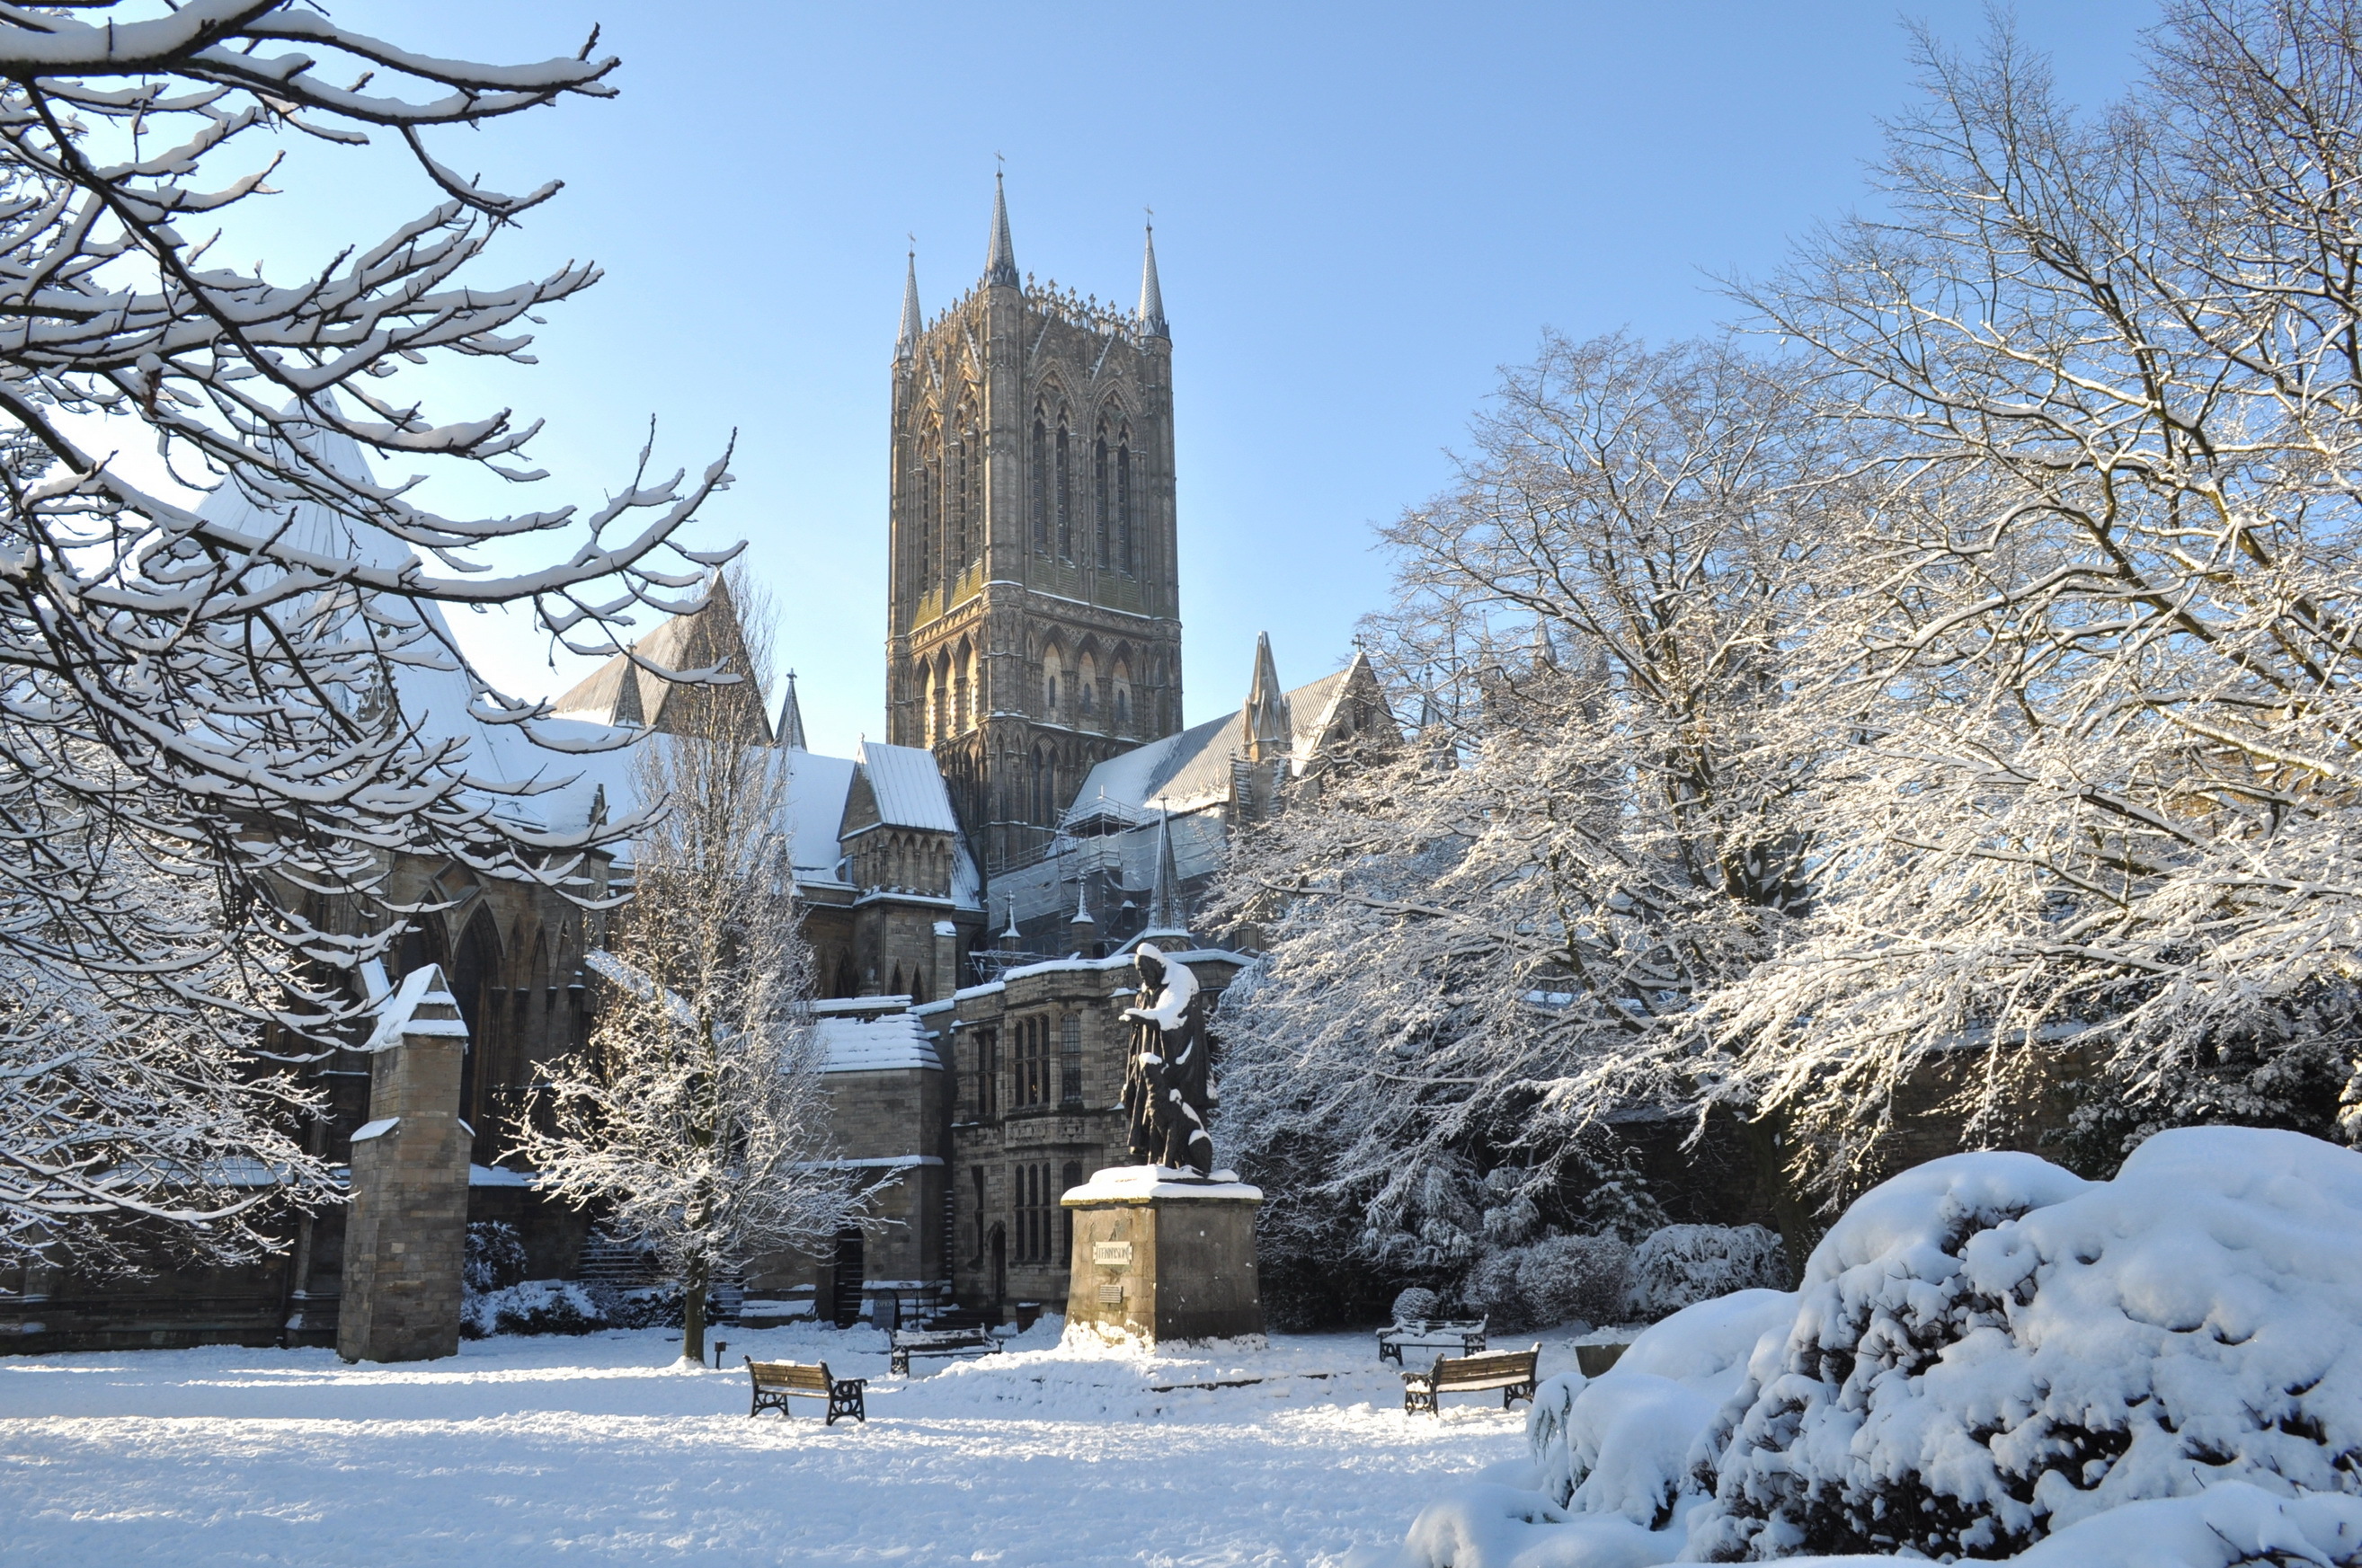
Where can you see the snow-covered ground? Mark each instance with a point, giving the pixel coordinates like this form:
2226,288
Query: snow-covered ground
520,1450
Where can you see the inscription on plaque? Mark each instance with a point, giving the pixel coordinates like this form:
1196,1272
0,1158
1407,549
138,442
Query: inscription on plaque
1111,1295
1111,1254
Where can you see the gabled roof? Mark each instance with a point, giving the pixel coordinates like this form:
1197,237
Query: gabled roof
908,787
1191,771
624,692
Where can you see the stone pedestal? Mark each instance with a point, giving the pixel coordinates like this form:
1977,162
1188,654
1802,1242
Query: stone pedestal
1161,1255
406,1235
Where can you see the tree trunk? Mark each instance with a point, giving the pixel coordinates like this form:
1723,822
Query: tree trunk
692,1310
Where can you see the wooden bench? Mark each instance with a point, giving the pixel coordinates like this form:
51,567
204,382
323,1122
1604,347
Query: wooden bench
909,1342
1512,1372
1431,1334
777,1382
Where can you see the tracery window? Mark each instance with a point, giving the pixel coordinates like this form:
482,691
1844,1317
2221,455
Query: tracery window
1101,500
1070,1061
1040,486
1123,513
1065,499
987,1073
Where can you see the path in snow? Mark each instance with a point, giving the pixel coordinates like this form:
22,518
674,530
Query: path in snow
518,1450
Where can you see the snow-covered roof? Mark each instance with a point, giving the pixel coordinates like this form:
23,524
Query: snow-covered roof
892,1044
817,786
909,786
1192,770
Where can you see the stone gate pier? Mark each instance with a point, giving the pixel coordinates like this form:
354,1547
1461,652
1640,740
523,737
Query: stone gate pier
406,1236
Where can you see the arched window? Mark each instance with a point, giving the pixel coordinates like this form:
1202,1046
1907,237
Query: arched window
1070,1178
1065,499
1101,522
1040,486
1123,513
956,556
926,526
1045,788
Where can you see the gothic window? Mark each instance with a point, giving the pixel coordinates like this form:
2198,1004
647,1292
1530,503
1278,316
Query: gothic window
1101,479
1041,486
1045,788
926,526
987,1073
957,555
1123,513
1070,1062
1068,1179
1065,499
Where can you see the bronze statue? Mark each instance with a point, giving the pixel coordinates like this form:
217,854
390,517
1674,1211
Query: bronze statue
1167,1086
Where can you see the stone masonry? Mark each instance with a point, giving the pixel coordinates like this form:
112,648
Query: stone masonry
405,1238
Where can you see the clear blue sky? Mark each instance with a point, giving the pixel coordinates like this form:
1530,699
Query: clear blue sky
1362,212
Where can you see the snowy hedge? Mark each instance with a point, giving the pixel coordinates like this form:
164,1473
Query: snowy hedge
1680,1265
1986,1351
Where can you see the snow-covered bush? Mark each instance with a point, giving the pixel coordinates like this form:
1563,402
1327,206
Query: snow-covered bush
1680,1265
1987,1356
1417,1304
1556,1280
540,1306
495,1258
1989,1349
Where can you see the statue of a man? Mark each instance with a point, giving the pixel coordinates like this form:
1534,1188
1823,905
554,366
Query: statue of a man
1167,1087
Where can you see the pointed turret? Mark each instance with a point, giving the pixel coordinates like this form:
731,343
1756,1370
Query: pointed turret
791,732
1000,262
1152,297
1270,732
1164,916
906,345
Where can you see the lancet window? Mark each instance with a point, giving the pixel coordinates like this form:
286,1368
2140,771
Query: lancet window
1123,510
1065,498
1040,486
1102,499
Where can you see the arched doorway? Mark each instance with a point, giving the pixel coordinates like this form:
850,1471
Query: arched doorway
844,1282
475,973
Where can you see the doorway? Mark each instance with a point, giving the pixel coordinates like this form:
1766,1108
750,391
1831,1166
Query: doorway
845,1293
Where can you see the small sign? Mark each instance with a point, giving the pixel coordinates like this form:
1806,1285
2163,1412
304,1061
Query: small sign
1111,1254
1111,1295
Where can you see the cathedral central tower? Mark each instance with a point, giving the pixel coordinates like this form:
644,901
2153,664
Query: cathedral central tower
1034,620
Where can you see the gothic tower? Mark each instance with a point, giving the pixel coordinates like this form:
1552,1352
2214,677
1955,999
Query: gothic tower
1033,625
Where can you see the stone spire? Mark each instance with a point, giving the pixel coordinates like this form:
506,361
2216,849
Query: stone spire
906,344
1000,262
1164,918
1152,297
1269,732
791,719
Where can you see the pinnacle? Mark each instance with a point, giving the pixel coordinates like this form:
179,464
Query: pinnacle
1000,261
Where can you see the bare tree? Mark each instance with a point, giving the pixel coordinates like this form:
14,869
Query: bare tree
2108,617
697,1117
213,699
1480,945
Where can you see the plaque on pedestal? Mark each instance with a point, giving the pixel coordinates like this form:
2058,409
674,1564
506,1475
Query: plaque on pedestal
1164,1255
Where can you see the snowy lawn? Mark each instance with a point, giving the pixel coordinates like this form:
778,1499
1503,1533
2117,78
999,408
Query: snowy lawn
521,1449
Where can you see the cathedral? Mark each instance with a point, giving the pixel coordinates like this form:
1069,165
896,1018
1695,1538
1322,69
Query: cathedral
973,887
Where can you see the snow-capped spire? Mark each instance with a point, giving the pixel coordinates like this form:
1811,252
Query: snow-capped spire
1012,935
1152,297
1545,650
906,344
791,719
1000,262
1269,732
1164,918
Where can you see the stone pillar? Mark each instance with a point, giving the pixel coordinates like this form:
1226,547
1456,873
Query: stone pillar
1161,1255
406,1235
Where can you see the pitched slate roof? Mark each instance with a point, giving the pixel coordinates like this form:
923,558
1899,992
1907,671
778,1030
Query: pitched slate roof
909,786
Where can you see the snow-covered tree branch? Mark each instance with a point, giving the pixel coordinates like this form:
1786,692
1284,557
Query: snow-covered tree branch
1479,945
210,695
